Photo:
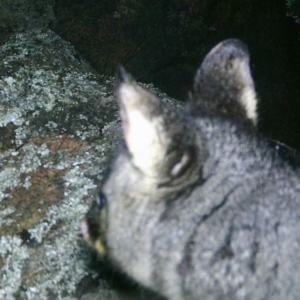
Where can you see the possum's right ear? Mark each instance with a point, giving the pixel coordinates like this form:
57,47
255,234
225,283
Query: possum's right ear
158,140
223,83
143,124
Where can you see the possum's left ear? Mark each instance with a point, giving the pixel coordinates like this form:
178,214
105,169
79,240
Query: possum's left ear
223,83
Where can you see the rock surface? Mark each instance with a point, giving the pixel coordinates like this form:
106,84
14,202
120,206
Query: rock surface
58,123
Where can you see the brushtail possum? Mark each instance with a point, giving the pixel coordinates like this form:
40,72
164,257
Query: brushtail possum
196,205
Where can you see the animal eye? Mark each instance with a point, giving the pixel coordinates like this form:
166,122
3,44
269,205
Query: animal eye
101,200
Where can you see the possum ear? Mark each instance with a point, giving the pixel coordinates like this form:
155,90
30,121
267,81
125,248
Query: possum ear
142,123
224,84
153,134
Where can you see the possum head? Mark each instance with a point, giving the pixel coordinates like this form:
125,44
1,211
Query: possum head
162,154
159,152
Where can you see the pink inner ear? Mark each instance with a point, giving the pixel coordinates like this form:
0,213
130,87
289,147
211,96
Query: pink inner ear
84,229
125,122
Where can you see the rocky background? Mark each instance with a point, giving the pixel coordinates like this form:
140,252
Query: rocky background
59,119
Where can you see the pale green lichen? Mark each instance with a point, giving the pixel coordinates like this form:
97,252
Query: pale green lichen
4,216
8,179
15,254
11,115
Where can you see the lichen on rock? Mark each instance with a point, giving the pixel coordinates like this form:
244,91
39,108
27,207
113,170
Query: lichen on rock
58,123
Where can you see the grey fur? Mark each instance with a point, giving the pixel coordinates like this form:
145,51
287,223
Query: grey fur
197,205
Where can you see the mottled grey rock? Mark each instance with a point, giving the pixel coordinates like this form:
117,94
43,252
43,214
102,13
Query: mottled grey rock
58,123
